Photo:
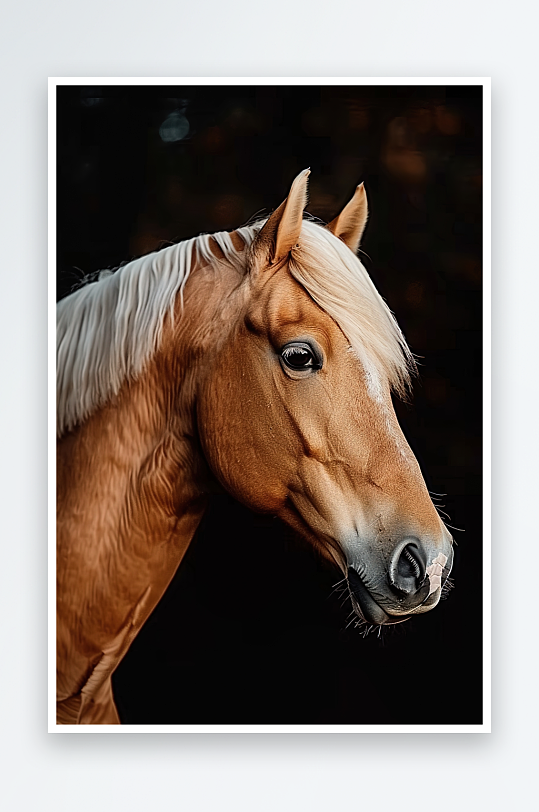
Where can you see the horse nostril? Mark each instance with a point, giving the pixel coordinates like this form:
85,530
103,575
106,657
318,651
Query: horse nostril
407,570
407,566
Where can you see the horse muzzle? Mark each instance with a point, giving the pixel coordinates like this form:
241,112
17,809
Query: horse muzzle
409,584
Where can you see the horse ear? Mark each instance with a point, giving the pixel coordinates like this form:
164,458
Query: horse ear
281,232
350,223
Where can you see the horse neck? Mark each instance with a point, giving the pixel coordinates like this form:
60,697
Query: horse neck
132,488
142,447
132,478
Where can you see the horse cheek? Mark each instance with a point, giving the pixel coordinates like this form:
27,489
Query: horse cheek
239,444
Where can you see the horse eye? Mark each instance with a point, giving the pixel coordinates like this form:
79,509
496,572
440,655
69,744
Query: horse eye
299,357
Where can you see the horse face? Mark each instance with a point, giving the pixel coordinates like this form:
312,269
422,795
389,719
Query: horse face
291,426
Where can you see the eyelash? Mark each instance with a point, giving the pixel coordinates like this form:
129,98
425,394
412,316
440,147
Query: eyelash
300,348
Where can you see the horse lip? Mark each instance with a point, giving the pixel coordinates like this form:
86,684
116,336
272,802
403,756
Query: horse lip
369,609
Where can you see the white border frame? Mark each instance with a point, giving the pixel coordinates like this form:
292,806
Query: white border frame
487,271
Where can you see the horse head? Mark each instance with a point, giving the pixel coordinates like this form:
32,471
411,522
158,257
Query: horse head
296,418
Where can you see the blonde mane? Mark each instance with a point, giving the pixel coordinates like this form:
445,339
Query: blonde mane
338,282
109,329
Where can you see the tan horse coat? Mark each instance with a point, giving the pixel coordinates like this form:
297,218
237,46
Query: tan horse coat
213,406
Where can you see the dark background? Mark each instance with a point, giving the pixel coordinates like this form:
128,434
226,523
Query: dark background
251,630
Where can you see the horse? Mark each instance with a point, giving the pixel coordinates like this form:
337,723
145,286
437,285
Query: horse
261,362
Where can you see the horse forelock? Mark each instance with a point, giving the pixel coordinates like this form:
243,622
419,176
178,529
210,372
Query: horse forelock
109,329
339,283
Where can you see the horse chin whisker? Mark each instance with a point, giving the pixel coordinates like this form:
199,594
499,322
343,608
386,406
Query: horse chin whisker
446,589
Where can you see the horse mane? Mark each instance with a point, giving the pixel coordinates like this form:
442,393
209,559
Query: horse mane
109,328
339,283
